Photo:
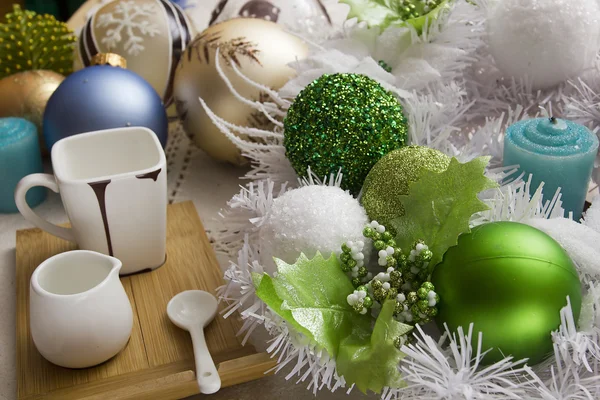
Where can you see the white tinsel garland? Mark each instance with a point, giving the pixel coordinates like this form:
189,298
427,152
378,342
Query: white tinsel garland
512,202
433,370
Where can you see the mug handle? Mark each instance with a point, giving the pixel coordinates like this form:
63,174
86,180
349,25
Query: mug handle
23,186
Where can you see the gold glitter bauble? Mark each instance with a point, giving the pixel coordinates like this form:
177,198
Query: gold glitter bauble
26,94
391,177
261,51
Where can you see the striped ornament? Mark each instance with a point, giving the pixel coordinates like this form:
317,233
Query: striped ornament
150,34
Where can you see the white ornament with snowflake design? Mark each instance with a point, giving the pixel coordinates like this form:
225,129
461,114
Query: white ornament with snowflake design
129,19
150,34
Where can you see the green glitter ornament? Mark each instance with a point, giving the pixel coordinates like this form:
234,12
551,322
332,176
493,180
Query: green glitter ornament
343,121
391,177
30,41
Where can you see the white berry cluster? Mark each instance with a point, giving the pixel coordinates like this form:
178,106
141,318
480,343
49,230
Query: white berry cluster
383,254
384,278
356,252
405,315
357,299
377,226
415,253
432,298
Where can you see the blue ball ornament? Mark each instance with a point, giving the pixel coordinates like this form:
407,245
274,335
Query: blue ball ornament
103,97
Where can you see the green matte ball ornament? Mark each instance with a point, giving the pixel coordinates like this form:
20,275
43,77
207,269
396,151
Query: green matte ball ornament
391,177
511,281
343,121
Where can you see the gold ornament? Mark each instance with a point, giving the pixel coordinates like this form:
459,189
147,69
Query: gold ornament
26,94
150,35
261,51
30,41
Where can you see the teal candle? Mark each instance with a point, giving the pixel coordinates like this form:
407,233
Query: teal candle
19,156
559,153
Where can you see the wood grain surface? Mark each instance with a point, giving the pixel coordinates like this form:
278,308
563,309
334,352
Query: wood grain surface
158,360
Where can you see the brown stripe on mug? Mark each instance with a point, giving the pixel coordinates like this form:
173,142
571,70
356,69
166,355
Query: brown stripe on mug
99,189
150,175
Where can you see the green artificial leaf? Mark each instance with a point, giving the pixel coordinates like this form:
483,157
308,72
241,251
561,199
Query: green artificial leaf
383,13
311,296
371,361
439,206
267,293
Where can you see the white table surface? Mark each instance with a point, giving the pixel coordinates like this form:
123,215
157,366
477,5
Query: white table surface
209,185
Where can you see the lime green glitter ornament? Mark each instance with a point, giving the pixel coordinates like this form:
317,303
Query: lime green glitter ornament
391,177
29,41
343,121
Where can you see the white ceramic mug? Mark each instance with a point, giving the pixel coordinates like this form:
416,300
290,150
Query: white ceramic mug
79,313
113,185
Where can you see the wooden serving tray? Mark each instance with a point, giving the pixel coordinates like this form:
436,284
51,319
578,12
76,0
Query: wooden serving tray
158,361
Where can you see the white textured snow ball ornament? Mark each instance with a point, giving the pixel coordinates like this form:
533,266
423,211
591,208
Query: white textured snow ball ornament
310,219
547,41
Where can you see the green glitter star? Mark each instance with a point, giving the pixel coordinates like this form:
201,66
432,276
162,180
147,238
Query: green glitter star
343,121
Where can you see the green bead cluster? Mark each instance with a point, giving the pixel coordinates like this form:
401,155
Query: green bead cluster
385,66
418,307
410,9
30,41
416,270
406,280
383,241
352,262
400,341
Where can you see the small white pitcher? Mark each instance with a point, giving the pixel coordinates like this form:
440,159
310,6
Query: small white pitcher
79,313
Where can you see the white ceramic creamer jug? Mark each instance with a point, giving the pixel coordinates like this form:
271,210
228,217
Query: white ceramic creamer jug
79,314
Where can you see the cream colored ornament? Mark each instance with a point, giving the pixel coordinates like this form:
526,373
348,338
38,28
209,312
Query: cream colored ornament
308,18
260,50
150,34
198,11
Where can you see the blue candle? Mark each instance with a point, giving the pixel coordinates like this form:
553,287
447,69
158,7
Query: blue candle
557,152
19,156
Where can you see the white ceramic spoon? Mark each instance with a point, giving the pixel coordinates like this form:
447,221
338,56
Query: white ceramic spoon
193,310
